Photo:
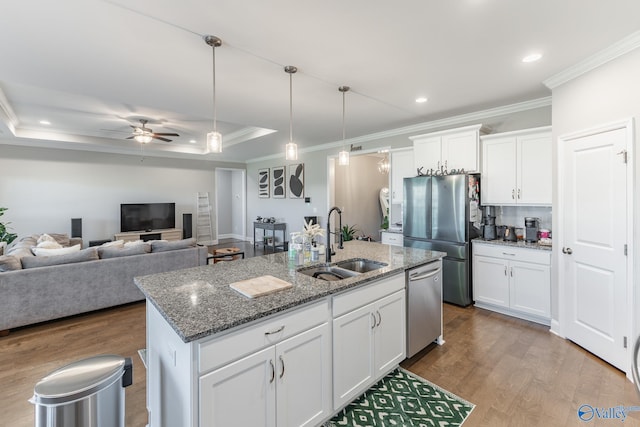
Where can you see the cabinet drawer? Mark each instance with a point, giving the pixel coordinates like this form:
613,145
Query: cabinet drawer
536,256
396,239
227,348
360,297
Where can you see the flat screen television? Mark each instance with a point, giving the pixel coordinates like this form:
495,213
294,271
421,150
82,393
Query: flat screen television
147,216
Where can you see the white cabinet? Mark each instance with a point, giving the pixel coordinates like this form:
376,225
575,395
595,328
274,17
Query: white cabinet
389,238
368,340
515,281
401,167
454,149
287,384
516,168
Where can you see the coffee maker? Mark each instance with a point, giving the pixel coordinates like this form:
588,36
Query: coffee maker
531,227
488,224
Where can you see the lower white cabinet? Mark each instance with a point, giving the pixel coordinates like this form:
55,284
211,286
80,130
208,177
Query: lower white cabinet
515,281
368,342
287,384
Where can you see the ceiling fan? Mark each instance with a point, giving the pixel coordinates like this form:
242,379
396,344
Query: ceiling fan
144,135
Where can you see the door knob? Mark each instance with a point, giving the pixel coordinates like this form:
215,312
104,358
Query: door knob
567,251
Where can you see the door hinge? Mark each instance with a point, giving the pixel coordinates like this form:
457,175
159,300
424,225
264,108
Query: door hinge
625,342
625,249
624,156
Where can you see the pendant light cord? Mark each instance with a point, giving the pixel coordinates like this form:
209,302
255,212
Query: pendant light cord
343,125
215,129
290,107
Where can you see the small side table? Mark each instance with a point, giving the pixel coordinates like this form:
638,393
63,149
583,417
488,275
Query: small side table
273,227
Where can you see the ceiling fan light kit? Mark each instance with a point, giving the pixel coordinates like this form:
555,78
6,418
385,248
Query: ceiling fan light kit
343,155
214,138
144,135
291,149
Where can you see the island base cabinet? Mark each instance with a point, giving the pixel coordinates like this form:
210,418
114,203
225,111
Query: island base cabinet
367,343
284,385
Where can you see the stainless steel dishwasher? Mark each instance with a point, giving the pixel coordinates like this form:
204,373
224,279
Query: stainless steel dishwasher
424,306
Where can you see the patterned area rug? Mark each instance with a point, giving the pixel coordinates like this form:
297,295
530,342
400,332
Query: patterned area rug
403,399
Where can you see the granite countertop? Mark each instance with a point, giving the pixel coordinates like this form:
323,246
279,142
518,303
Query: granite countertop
518,244
197,302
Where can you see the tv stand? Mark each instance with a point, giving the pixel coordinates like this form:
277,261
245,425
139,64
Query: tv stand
166,234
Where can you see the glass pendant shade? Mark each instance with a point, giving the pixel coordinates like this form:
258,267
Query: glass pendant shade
214,142
291,151
383,166
343,158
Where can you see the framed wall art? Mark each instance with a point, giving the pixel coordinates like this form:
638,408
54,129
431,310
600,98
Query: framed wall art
296,181
263,183
279,183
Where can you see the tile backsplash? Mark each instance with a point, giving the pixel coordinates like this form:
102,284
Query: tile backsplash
514,215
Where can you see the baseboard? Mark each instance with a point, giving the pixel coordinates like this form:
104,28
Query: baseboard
231,236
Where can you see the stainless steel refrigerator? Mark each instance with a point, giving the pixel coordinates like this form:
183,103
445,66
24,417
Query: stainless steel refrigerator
439,213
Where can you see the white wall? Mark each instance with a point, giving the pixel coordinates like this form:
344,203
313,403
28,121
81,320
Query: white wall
231,196
607,94
44,188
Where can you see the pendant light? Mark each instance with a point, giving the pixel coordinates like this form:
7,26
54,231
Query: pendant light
343,156
384,166
214,138
291,149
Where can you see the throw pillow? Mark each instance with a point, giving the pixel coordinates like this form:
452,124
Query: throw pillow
45,238
53,252
133,243
106,253
62,238
49,244
89,254
113,244
10,263
157,246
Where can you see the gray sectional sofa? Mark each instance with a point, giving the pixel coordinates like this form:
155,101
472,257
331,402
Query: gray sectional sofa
41,288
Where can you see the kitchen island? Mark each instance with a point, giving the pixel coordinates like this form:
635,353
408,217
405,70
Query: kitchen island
294,357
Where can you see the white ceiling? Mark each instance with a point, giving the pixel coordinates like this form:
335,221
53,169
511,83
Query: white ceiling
93,67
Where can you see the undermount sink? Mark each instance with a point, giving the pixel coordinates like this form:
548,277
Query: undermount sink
327,272
342,270
361,265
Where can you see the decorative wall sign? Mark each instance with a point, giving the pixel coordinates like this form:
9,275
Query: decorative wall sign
278,175
296,181
263,183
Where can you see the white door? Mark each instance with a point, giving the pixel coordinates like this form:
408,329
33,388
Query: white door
499,171
460,151
253,378
594,211
530,287
390,333
490,281
534,169
427,153
304,378
352,354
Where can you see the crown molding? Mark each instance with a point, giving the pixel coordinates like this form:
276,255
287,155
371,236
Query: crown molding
422,127
7,116
614,51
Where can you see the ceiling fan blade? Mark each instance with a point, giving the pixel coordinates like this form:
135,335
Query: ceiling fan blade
161,138
130,137
166,134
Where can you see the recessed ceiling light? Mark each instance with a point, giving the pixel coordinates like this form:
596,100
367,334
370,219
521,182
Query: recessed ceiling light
193,141
45,122
421,99
532,57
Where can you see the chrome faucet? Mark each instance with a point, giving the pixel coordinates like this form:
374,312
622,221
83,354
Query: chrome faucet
329,250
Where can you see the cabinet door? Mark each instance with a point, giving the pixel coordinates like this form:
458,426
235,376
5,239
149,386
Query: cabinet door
390,333
499,171
427,153
352,354
534,169
530,288
490,281
401,167
252,378
460,151
304,378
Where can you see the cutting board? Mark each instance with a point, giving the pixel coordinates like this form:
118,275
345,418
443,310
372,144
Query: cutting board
259,286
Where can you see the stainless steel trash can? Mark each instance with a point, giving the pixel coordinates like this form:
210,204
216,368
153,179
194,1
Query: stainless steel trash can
86,393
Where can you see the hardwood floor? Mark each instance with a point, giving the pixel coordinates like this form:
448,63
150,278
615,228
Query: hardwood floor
516,373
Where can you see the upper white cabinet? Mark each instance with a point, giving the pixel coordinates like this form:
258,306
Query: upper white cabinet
516,167
401,167
453,148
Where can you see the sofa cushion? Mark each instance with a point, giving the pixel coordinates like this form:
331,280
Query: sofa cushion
88,254
116,252
157,246
55,252
10,263
113,244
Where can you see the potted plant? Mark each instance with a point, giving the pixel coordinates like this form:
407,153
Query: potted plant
348,231
5,236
